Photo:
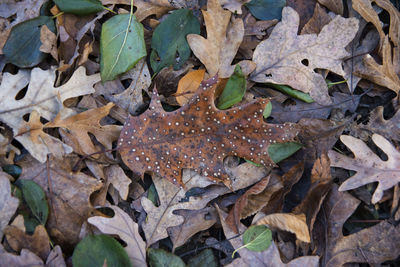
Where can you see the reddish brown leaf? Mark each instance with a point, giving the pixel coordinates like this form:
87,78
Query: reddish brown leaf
198,136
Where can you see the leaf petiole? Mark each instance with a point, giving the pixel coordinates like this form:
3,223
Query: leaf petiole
109,9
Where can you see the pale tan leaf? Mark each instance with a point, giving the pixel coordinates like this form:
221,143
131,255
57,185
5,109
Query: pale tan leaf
82,124
294,223
8,203
26,258
123,226
117,177
288,58
42,97
224,36
234,6
56,258
369,167
385,74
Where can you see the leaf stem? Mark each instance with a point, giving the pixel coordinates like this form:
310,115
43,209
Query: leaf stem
109,9
56,16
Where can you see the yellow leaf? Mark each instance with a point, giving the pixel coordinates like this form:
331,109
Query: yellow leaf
188,85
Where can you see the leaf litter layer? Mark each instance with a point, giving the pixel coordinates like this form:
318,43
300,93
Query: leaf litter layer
252,119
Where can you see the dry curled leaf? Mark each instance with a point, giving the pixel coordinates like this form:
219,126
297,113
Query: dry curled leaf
123,226
288,58
49,42
224,35
85,123
369,167
188,85
294,223
26,258
8,203
198,136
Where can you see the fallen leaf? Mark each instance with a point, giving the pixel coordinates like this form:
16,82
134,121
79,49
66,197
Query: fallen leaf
20,10
85,123
171,198
294,223
334,5
160,257
319,19
305,9
68,194
79,7
38,243
223,40
288,58
26,258
234,6
266,9
123,226
178,149
42,97
8,203
49,42
253,200
55,258
188,85
117,177
385,74
390,129
204,258
369,167
267,258
194,222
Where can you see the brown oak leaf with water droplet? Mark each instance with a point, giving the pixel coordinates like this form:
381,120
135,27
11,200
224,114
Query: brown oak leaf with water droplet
199,136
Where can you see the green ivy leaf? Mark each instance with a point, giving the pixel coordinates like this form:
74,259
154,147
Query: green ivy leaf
266,9
79,7
169,45
121,45
35,198
256,238
281,151
234,90
93,250
23,43
205,258
292,92
162,258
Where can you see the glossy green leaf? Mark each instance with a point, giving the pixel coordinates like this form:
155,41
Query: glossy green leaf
121,45
205,258
169,45
162,258
23,43
292,92
79,7
256,238
93,250
266,9
267,110
234,90
281,151
35,198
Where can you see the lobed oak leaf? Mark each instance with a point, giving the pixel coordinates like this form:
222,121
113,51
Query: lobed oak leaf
123,226
42,97
26,258
291,59
82,124
369,167
199,136
224,36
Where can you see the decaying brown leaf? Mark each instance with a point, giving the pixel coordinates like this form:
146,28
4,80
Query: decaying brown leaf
68,195
224,36
234,6
49,42
319,19
123,226
26,258
199,136
369,167
288,58
334,5
38,243
188,85
294,223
